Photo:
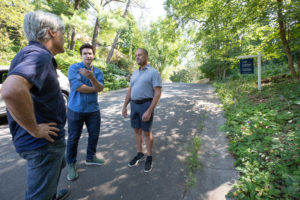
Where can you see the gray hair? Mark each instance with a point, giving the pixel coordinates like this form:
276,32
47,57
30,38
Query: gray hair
37,24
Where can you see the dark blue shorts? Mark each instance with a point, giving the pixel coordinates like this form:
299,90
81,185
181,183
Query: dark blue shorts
137,111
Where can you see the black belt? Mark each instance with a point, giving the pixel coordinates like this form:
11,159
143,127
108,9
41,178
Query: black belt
141,101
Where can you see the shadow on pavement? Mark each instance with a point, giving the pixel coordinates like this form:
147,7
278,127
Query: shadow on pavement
183,107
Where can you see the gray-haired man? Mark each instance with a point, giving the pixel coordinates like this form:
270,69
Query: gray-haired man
35,107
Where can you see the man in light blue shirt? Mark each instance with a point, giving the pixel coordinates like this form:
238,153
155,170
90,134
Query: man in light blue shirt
143,95
85,82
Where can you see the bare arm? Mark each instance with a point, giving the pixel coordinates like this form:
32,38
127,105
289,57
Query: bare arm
15,92
97,86
156,98
126,102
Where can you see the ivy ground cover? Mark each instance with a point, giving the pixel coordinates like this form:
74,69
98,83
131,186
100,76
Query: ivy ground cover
263,128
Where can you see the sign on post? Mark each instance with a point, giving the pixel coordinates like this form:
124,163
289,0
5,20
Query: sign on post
246,66
258,66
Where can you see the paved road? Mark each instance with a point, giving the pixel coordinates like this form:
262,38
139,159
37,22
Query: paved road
180,115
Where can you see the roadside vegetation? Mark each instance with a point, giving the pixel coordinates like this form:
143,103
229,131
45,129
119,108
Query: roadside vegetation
264,132
193,162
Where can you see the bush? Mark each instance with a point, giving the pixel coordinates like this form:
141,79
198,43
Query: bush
267,70
124,64
66,59
264,133
181,76
114,77
115,84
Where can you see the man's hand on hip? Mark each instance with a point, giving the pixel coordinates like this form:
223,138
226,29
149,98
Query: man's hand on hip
46,131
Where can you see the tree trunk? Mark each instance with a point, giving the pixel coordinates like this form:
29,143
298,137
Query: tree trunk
68,39
76,5
224,74
299,69
72,45
113,46
130,49
284,41
95,34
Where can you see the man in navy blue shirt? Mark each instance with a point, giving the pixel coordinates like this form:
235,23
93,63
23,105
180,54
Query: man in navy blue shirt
85,82
35,107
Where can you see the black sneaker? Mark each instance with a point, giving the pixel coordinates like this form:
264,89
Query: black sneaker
135,161
148,164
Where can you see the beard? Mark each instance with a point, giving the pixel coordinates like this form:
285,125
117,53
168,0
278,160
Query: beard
141,62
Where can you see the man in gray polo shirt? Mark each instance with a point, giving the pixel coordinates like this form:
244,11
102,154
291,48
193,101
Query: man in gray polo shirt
143,94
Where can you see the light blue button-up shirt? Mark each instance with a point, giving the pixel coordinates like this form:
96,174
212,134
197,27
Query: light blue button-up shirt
83,102
143,82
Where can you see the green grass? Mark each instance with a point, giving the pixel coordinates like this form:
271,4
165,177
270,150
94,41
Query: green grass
193,162
264,132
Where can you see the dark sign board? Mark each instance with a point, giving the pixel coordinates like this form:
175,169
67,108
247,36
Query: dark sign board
246,66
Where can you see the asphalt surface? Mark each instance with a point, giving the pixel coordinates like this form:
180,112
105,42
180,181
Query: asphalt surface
185,110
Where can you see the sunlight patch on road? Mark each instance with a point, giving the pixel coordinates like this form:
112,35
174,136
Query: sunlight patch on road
12,167
108,188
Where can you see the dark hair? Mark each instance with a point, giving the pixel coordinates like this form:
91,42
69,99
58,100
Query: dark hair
144,50
86,46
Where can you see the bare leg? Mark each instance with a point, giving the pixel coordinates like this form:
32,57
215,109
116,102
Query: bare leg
138,139
149,142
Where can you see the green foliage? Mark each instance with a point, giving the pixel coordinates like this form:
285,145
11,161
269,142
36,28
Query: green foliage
114,69
181,76
264,133
124,64
268,69
164,44
193,162
3,77
219,31
114,77
66,59
131,38
11,28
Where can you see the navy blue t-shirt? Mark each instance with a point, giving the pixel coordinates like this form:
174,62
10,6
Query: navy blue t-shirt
38,66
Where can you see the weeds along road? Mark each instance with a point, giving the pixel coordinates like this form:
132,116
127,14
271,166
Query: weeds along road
184,111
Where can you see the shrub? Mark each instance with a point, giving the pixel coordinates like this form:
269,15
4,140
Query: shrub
263,129
181,76
112,72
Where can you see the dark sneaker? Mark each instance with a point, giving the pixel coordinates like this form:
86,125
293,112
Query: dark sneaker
72,173
62,194
148,164
135,161
94,161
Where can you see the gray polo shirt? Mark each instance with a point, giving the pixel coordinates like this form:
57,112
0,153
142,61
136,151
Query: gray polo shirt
143,82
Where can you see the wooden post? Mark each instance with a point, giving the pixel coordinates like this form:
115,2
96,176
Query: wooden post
259,71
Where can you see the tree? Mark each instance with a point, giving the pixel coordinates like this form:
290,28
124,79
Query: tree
165,43
72,43
72,12
223,27
285,16
212,30
11,27
117,35
99,8
131,38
